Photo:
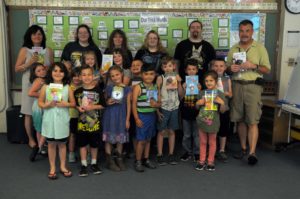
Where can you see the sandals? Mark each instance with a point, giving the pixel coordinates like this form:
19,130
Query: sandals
52,176
66,173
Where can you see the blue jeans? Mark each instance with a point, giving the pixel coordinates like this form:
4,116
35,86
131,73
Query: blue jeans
190,131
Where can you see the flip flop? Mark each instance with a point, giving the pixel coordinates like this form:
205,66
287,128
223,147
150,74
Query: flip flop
52,176
67,173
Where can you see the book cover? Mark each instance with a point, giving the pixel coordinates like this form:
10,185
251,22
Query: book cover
55,92
40,52
220,86
210,96
171,81
117,93
152,94
107,61
191,85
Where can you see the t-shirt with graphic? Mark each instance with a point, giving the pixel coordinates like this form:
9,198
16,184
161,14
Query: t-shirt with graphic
89,121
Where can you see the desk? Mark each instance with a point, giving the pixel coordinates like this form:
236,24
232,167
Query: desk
290,109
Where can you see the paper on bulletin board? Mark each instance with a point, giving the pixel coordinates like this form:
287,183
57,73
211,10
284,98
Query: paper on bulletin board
293,38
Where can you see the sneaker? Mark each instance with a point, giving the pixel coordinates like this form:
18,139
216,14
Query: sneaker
147,163
83,171
161,160
172,159
96,170
138,166
222,156
210,168
196,158
200,166
44,150
185,157
252,159
240,154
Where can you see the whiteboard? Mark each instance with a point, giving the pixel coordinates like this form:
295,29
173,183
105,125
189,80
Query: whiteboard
293,91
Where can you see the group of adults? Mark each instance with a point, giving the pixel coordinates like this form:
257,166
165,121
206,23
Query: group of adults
246,102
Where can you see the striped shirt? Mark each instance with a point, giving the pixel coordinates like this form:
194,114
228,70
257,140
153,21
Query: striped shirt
143,101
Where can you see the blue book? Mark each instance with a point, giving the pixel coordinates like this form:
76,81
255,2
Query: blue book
192,85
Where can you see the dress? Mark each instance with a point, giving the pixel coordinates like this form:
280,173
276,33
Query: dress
37,116
56,120
27,102
114,119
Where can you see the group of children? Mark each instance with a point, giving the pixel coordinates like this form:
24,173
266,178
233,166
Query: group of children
127,102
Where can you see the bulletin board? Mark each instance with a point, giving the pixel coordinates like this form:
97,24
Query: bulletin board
220,29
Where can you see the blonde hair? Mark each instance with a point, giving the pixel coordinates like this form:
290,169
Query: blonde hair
160,47
96,67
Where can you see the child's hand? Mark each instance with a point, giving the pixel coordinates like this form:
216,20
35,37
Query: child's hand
219,100
154,103
110,101
62,104
81,109
50,104
184,86
160,116
89,107
139,123
200,102
178,78
199,87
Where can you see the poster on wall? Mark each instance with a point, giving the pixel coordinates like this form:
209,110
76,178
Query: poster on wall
220,29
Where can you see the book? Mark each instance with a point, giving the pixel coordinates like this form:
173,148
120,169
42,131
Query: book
88,98
191,85
107,61
152,94
40,52
117,93
220,86
171,81
209,97
55,92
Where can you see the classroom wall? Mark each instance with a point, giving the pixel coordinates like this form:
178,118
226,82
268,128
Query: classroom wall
289,22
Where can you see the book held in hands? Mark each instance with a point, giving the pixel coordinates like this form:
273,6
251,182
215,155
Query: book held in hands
107,61
55,92
191,85
210,96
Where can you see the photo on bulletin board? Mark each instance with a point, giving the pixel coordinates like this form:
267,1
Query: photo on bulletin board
57,53
102,35
164,43
58,20
41,19
177,33
119,23
73,20
162,31
190,20
223,42
223,22
133,24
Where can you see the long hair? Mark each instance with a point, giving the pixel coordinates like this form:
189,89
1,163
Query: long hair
120,32
96,67
160,47
90,40
49,78
30,31
122,53
33,67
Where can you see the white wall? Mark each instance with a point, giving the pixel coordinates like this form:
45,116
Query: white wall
290,22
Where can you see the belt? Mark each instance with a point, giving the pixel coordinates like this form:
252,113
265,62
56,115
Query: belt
244,82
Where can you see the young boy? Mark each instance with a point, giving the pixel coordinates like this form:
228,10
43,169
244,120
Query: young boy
89,102
224,85
169,89
189,114
144,104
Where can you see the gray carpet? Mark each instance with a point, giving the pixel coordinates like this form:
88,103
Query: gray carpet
277,175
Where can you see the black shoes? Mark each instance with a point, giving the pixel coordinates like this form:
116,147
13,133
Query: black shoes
34,153
252,159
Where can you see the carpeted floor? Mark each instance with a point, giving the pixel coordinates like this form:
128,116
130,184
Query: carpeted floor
277,176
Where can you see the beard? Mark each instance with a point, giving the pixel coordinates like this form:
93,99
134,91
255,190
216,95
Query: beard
195,35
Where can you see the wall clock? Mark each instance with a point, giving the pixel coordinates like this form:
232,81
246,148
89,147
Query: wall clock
293,6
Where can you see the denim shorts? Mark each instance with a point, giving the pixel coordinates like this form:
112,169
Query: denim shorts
169,120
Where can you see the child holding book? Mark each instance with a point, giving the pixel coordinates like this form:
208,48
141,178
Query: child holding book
56,97
223,85
145,101
89,102
75,84
189,112
208,120
37,79
116,118
169,89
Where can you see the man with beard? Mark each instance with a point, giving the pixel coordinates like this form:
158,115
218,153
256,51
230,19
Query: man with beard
248,60
194,47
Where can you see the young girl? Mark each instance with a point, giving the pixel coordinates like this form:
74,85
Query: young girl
56,98
116,118
224,85
119,60
37,79
90,59
208,120
75,83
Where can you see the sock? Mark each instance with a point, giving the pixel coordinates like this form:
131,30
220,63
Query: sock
94,161
84,163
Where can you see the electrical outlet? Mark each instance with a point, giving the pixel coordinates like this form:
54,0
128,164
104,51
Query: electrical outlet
291,62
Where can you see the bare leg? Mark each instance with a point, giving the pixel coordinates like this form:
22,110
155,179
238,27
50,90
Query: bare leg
147,149
119,148
72,142
28,129
108,148
94,153
52,156
160,142
222,143
83,153
171,141
252,137
139,150
62,148
242,130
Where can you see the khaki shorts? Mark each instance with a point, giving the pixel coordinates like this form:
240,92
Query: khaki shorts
246,103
